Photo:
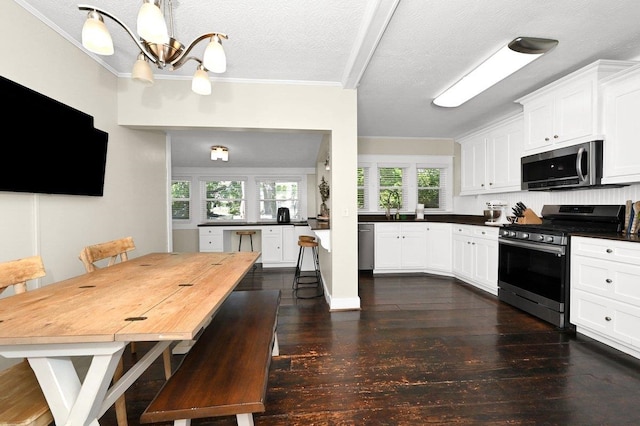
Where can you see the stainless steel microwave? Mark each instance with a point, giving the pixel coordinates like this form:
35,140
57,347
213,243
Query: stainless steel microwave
573,167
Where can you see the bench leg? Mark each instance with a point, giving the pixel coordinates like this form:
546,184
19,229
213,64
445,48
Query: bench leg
245,419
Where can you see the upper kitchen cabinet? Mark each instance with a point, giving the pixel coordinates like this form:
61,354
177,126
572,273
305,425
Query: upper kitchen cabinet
490,158
566,111
621,103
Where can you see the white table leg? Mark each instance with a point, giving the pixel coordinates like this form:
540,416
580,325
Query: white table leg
76,403
73,402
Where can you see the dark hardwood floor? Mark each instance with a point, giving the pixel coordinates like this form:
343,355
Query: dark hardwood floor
425,350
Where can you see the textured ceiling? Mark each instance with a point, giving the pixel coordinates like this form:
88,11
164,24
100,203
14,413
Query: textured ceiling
400,54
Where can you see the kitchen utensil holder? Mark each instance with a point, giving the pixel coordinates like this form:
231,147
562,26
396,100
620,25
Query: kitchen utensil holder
529,218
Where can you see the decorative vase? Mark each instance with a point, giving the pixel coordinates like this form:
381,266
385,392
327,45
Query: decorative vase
324,211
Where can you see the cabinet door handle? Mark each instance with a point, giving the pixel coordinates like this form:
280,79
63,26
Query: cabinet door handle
609,251
546,139
608,280
490,183
607,318
556,136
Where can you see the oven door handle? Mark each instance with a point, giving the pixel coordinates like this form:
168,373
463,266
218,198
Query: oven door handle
547,248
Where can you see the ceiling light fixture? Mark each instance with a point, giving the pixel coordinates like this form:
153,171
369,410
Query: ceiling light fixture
156,44
219,152
503,63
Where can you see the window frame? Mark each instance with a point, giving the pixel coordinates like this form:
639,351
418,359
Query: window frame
203,180
410,163
295,213
187,200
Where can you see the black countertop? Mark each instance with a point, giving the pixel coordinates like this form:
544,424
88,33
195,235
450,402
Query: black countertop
461,219
260,223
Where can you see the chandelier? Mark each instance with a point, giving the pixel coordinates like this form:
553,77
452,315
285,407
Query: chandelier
156,43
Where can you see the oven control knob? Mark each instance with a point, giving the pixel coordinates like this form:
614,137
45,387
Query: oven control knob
540,237
524,236
512,233
549,239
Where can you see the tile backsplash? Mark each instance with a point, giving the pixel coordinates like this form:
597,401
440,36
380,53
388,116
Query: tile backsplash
475,204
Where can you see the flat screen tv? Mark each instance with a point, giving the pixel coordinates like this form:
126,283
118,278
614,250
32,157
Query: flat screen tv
54,149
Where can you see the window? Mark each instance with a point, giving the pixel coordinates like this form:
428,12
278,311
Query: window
180,199
274,193
432,190
363,190
402,181
223,199
391,188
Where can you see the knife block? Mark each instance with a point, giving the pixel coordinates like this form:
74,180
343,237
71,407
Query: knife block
529,218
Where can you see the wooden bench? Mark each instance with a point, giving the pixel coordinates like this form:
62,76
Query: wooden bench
225,373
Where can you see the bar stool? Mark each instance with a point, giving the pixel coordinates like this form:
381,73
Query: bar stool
311,279
243,233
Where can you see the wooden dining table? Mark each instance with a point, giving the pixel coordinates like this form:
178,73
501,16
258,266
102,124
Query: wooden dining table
158,297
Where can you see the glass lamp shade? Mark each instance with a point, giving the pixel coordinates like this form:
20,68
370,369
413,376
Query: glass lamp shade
142,71
214,58
95,35
151,24
201,83
220,152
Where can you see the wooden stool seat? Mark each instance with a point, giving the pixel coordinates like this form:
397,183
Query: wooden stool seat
243,233
311,279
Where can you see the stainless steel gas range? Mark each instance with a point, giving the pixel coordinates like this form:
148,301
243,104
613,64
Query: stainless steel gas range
533,260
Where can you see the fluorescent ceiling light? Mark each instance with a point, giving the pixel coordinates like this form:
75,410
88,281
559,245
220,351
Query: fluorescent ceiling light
503,63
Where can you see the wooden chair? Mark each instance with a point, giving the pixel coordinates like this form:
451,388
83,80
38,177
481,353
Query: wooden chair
22,401
116,250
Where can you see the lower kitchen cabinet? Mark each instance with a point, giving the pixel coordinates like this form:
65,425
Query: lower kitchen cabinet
400,247
475,256
439,254
605,292
211,239
278,243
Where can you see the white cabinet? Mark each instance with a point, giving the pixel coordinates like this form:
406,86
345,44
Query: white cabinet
211,238
490,158
566,111
621,103
473,160
504,149
439,257
272,248
475,256
400,246
605,291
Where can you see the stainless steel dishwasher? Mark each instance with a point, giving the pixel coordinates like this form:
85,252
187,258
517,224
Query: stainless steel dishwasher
366,246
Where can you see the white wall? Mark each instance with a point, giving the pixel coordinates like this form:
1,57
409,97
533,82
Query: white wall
170,103
57,227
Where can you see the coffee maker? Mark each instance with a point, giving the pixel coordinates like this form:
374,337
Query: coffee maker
496,213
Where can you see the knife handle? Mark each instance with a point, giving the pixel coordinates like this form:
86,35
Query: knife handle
627,217
636,218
